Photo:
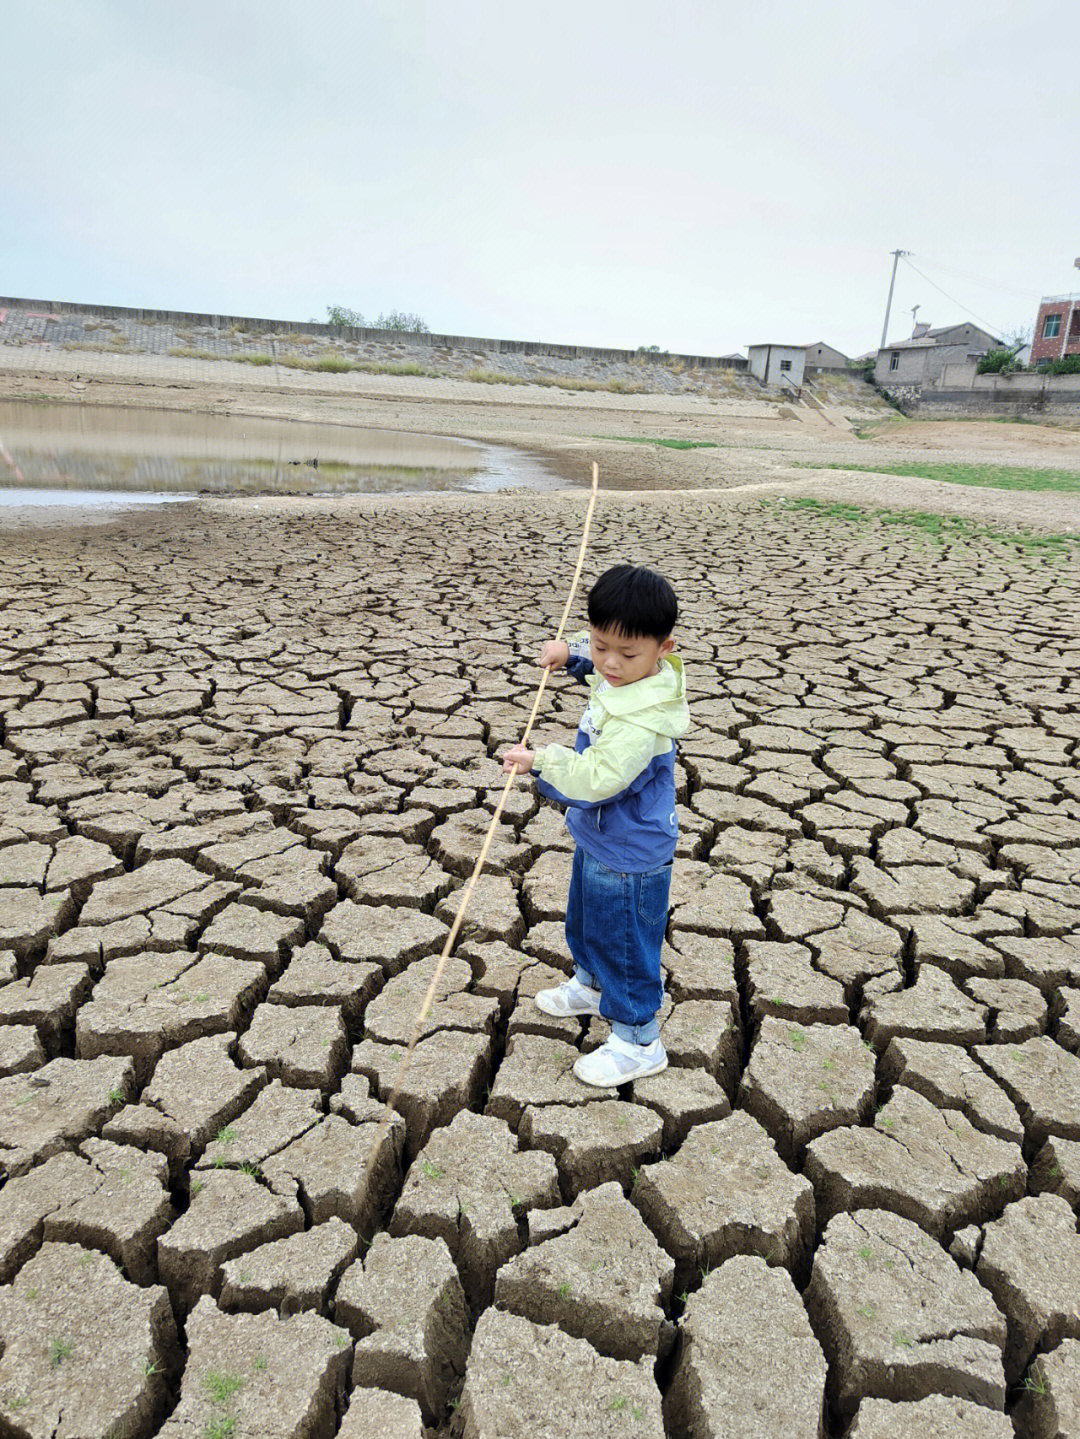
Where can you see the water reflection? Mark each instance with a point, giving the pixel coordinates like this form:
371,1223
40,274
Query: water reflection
126,456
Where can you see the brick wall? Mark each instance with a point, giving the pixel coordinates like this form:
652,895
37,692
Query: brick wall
1049,347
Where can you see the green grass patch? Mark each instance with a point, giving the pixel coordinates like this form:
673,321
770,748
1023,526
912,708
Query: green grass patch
993,477
945,529
661,440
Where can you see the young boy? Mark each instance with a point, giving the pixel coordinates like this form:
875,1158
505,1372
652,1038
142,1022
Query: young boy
618,784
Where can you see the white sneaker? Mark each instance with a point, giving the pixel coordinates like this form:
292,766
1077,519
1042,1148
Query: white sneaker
618,1062
569,999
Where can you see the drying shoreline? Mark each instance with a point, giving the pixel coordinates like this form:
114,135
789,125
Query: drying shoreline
748,445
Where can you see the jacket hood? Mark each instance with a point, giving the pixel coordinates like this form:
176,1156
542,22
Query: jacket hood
657,703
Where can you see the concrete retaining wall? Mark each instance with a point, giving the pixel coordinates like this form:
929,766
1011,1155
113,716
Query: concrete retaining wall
116,328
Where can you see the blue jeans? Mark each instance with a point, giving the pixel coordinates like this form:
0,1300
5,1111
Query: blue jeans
615,928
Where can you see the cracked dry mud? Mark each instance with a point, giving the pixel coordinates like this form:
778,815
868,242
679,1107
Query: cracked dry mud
247,759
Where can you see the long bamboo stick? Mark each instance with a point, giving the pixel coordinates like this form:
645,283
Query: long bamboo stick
448,944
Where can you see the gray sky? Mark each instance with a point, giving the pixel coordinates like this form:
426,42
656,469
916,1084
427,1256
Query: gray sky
700,176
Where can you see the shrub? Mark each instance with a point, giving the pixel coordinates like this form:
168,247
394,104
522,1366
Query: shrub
1067,365
998,362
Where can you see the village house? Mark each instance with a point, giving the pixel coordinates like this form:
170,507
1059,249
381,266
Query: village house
1057,328
922,359
778,364
820,356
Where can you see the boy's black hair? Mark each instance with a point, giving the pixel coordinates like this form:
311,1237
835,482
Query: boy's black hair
633,601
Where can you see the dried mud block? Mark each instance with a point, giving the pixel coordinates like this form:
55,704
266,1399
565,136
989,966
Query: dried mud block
230,1212
547,941
803,1081
1042,1080
289,1274
1056,1170
379,870
748,1362
783,983
704,1034
1030,1262
711,903
302,1045
29,1198
148,1003
446,1073
537,1071
1066,1012
249,933
497,969
381,934
945,941
933,1009
929,889
377,1412
899,1319
1048,963
343,1170
700,966
47,999
1049,1403
293,882
493,913
121,1206
457,841
405,1307
545,886
391,1016
20,1049
55,1106
593,1143
260,1375
156,885
604,1278
727,1192
935,1417
526,1379
1017,1009
859,949
200,1087
467,1186
682,1098
146,1128
927,1164
949,1078
84,1351
29,919
278,1115
313,976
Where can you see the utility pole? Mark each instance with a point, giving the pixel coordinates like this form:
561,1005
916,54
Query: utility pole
888,303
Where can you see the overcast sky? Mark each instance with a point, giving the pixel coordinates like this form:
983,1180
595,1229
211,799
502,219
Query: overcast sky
699,176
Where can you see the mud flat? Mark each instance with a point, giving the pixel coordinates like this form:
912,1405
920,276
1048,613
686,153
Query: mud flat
248,748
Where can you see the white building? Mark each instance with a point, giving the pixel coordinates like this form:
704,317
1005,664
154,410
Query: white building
778,364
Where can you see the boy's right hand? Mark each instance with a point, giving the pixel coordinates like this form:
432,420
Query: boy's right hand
553,654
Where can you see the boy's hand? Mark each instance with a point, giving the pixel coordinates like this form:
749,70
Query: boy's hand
519,756
553,654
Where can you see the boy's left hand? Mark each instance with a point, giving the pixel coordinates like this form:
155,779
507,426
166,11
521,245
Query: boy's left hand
519,756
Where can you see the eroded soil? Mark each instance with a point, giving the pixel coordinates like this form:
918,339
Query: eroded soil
248,752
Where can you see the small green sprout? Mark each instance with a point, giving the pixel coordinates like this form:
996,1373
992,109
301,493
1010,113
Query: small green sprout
59,1350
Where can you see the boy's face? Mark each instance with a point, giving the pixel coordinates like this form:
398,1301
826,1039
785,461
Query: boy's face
622,659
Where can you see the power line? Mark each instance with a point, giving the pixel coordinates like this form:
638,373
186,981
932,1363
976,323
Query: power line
993,329
1024,294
